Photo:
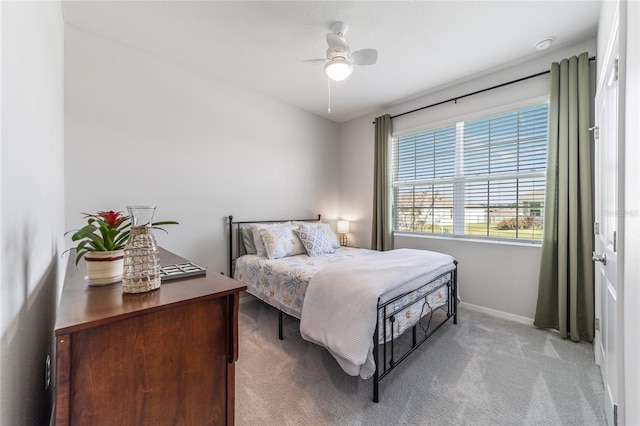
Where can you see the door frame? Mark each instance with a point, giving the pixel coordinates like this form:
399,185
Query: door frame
616,45
630,77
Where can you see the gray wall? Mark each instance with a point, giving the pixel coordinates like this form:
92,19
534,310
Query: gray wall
142,130
32,202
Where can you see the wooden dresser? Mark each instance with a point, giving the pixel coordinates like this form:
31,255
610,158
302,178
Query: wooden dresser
160,358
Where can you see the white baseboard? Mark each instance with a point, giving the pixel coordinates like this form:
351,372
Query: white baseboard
246,297
496,313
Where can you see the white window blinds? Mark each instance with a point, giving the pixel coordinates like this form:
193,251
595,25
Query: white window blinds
481,178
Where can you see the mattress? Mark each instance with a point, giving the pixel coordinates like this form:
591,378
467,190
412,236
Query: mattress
282,283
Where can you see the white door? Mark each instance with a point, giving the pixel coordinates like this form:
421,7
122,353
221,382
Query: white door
607,204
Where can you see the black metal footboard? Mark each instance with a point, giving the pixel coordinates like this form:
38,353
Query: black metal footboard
387,311
384,355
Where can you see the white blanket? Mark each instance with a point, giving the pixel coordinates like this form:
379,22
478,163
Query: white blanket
340,306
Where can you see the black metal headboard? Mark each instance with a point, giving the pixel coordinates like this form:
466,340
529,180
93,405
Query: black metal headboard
239,246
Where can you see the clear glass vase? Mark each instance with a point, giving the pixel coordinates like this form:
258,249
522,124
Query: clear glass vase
141,255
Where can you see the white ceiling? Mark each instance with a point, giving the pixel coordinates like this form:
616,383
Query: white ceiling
422,45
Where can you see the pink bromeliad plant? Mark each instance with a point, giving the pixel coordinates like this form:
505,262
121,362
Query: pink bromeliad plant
105,231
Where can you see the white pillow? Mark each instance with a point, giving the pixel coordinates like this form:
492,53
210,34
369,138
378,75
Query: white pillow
326,228
314,240
257,239
281,241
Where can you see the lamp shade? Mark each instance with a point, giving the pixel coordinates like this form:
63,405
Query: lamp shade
338,68
343,227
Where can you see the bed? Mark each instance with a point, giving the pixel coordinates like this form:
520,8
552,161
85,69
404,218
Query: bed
369,309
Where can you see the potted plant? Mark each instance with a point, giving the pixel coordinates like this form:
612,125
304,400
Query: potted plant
101,242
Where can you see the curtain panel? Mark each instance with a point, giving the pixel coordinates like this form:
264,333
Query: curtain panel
566,283
381,232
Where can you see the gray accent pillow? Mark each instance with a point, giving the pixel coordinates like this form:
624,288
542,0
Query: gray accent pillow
247,240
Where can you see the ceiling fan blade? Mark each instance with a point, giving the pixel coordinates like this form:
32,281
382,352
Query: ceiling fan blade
365,57
337,42
314,60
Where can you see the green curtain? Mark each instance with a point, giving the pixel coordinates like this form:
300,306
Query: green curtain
381,233
565,288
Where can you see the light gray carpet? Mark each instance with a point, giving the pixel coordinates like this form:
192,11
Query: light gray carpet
483,371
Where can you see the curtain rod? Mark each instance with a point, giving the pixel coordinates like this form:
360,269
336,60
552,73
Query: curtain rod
478,91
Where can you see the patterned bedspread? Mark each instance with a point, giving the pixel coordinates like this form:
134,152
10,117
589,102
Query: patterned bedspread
283,282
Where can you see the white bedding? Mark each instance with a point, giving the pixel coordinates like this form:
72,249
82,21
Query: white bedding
340,306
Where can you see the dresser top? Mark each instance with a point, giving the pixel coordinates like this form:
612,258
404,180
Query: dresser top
82,306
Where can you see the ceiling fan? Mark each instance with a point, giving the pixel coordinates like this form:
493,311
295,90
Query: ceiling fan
340,60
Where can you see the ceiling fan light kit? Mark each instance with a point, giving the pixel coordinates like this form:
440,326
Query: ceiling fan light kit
338,65
338,69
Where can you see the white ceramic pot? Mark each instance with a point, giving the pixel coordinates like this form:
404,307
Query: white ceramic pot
104,267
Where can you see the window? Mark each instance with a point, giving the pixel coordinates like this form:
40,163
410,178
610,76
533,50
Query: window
480,178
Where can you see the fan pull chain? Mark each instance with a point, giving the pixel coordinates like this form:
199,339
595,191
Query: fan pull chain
329,89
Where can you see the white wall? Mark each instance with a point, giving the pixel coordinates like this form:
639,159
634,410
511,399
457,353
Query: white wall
32,202
486,269
142,130
491,275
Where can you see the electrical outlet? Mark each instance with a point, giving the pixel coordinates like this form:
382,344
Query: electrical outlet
47,372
